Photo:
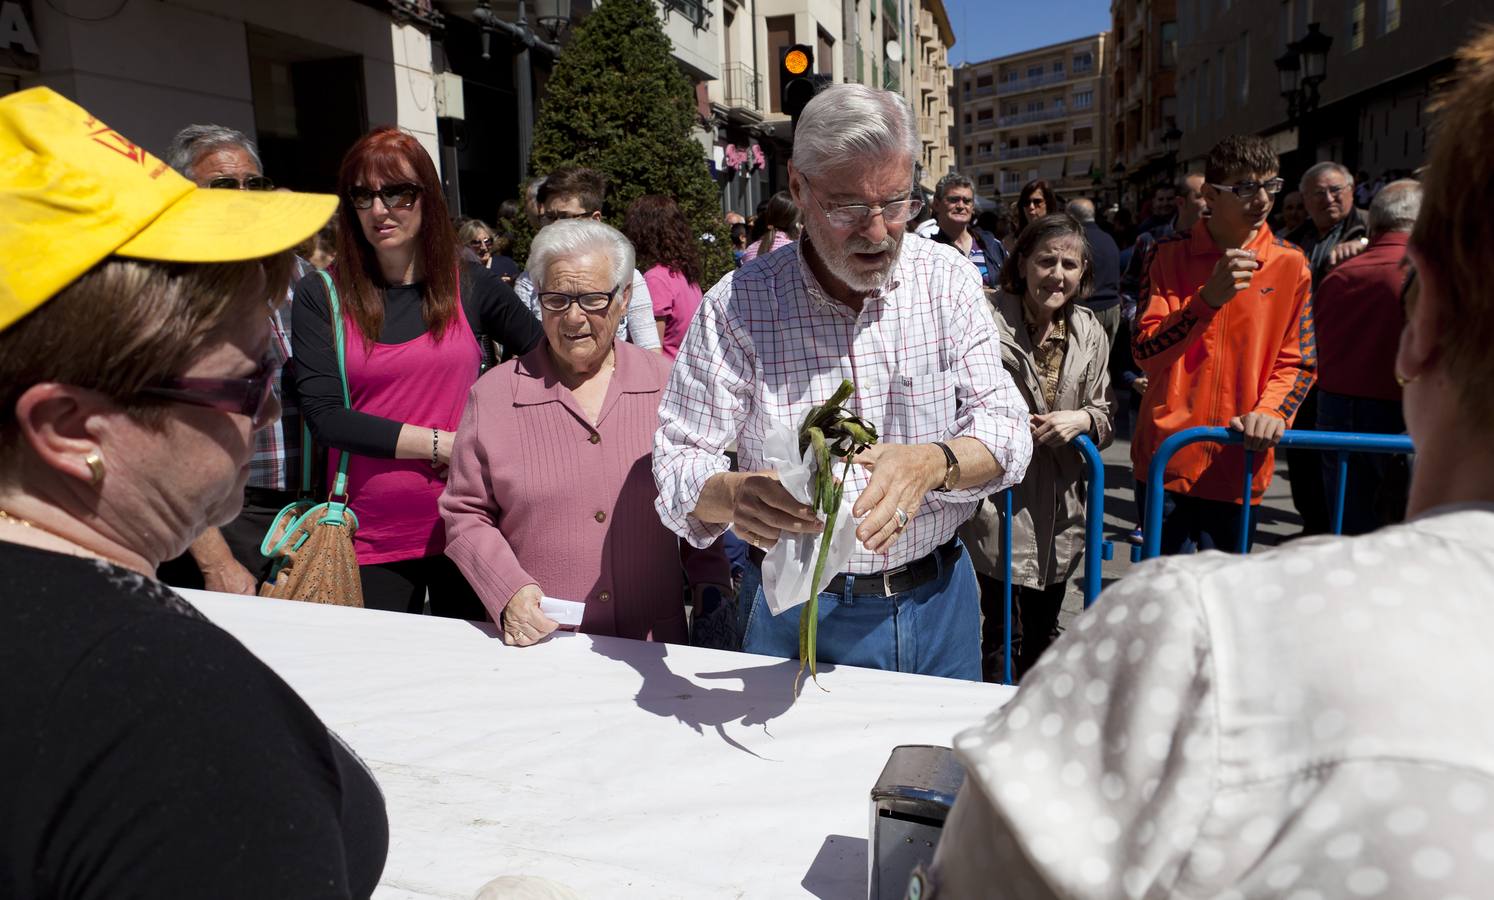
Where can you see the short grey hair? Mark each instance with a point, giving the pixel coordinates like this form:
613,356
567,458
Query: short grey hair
849,124
189,144
578,237
1082,209
1324,168
952,180
1396,207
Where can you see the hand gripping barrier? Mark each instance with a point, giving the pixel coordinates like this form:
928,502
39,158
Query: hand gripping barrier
1342,443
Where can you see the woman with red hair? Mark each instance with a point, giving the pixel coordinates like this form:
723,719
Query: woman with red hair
411,312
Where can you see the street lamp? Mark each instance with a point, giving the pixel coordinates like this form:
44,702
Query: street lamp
1301,69
1119,171
523,40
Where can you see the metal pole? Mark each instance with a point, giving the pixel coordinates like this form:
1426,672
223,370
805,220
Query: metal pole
1343,483
1244,544
1006,588
524,88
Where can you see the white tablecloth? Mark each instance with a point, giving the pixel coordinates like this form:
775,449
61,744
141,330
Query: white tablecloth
616,767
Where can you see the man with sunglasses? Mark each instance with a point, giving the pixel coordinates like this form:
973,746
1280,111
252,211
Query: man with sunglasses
1224,334
906,321
228,558
954,211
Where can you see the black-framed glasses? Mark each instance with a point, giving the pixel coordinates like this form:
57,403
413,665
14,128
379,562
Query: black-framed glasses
395,196
854,215
1246,190
245,396
589,301
250,183
480,243
553,216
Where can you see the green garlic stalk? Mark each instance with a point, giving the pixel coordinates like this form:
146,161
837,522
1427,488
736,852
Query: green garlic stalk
833,433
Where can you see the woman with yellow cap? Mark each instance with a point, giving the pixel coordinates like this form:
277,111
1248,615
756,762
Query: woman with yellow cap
144,751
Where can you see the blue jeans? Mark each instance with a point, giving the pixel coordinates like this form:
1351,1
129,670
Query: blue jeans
1375,492
933,629
1190,524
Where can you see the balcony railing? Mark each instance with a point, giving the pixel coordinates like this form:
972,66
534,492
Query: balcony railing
1042,115
742,86
982,125
697,12
1018,85
1029,152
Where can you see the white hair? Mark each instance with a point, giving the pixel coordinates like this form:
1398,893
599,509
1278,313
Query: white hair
191,143
1396,207
1324,168
578,237
848,124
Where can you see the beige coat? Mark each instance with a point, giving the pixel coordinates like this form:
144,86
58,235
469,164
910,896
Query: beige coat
1048,506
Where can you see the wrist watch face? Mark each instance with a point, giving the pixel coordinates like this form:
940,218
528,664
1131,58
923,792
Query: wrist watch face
952,477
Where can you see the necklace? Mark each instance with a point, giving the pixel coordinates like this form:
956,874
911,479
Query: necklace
78,549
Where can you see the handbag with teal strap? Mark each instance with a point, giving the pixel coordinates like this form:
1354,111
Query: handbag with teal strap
311,544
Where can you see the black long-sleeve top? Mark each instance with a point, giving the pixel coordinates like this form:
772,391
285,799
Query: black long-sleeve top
491,307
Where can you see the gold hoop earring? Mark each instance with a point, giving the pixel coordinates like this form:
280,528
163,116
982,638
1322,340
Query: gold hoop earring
95,467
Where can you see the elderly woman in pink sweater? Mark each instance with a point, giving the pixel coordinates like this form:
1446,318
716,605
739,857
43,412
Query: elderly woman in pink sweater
550,491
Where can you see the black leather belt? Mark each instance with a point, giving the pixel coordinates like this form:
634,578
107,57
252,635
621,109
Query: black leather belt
267,498
891,581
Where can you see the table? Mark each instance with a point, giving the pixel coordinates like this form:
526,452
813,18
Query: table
618,768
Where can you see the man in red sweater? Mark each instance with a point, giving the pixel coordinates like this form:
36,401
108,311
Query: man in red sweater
1359,320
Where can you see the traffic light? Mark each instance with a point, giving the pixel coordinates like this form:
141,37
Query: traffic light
797,82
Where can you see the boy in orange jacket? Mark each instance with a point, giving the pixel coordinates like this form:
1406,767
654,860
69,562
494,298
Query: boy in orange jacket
1225,337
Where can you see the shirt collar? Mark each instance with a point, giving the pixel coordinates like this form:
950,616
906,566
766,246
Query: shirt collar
539,380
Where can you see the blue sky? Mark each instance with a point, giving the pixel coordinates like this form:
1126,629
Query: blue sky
987,28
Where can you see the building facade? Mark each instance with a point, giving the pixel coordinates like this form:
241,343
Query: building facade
1036,114
930,90
1382,69
1143,94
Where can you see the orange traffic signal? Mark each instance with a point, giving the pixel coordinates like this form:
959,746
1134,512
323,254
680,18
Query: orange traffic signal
796,62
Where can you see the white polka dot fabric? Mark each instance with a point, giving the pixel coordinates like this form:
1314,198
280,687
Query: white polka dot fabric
1307,723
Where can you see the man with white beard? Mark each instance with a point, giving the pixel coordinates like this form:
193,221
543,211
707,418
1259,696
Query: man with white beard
907,323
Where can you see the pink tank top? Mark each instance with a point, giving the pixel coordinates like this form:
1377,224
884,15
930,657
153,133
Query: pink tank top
424,382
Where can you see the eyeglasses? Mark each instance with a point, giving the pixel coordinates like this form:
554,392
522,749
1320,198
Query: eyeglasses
854,215
1247,190
395,196
959,201
245,396
1332,190
553,216
590,301
251,183
484,243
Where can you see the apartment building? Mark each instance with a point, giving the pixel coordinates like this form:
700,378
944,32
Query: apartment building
1381,74
929,90
1144,104
1036,114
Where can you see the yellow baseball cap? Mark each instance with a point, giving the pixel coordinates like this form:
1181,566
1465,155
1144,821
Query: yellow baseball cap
74,191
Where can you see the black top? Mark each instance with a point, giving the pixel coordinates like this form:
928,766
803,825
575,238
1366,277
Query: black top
1105,257
144,752
491,307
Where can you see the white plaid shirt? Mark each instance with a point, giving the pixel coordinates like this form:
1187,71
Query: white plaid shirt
767,345
275,465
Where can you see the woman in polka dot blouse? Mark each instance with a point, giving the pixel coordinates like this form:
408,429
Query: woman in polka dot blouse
1310,722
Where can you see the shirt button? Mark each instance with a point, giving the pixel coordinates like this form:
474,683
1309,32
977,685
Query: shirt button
595,439
603,597
600,516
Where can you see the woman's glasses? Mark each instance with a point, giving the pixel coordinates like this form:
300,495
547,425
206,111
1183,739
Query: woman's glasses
245,396
480,243
395,196
590,301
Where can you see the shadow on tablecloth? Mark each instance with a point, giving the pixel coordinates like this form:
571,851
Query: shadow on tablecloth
767,689
839,869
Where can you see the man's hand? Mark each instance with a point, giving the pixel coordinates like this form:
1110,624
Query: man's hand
1262,430
1139,385
1231,275
763,509
901,476
228,577
1346,250
1055,429
523,623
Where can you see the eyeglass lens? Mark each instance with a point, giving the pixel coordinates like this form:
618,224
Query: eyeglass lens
592,301
395,196
252,183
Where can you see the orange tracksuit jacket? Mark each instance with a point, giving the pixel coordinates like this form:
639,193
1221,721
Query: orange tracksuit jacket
1257,353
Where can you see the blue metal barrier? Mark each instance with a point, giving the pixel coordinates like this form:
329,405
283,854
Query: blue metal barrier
1342,443
1096,548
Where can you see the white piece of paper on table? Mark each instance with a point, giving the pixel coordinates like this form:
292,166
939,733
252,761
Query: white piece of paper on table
789,566
564,612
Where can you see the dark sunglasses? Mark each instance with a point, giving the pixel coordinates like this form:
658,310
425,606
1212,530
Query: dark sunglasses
245,396
395,196
480,242
252,183
558,216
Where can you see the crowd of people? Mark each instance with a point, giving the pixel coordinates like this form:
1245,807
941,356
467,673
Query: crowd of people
595,423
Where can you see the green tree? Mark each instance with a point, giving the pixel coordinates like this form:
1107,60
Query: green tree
619,103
